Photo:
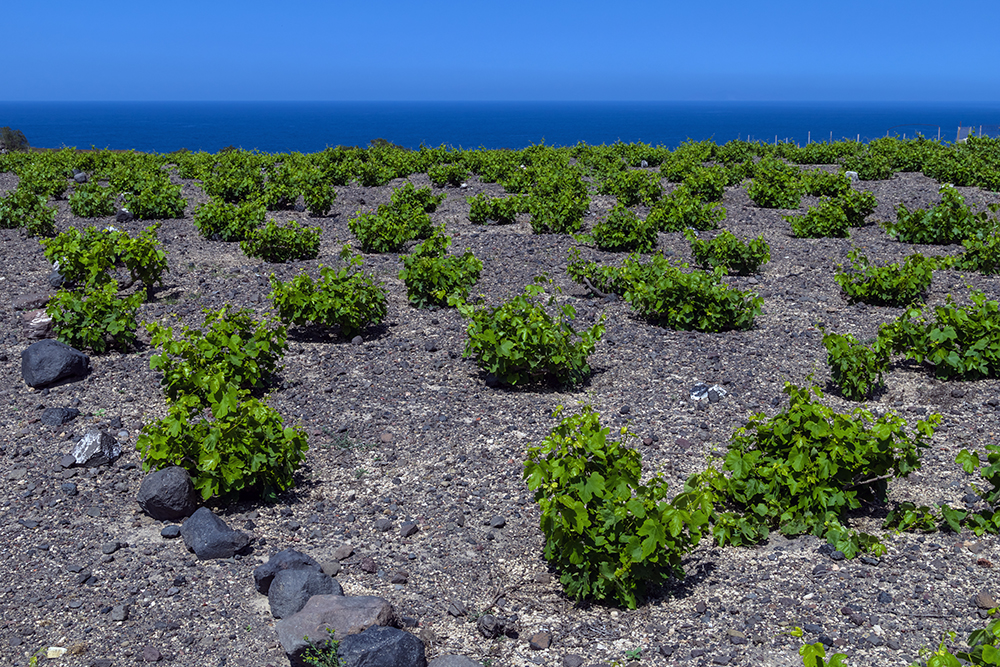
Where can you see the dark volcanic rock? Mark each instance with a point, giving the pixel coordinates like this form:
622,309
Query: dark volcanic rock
291,589
344,615
288,559
208,536
168,494
58,416
380,646
96,448
48,361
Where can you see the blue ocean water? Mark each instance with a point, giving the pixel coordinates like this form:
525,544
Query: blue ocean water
312,126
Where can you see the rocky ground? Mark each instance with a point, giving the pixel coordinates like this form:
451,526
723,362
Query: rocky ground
401,427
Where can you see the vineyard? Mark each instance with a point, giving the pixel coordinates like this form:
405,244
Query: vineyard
708,405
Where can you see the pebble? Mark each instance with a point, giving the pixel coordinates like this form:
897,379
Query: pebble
498,522
69,488
120,613
540,641
170,532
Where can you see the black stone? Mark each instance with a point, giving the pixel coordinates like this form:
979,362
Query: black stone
48,361
288,559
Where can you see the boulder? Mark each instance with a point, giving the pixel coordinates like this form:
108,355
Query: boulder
48,361
209,537
96,448
287,559
80,177
36,325
168,494
341,614
58,416
382,647
123,215
291,589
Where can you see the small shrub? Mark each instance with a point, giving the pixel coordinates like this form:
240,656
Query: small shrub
826,220
87,258
856,368
243,445
821,183
804,469
949,222
776,184
633,187
870,165
22,208
623,231
452,174
730,253
520,343
680,210
608,533
558,202
410,197
856,206
230,344
91,200
501,210
960,343
980,254
432,276
347,298
275,243
707,184
392,225
891,285
218,220
95,318
155,198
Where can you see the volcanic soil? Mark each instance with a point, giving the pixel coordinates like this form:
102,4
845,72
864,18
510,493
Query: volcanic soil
403,427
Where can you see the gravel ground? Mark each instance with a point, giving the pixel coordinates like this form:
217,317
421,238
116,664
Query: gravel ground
401,427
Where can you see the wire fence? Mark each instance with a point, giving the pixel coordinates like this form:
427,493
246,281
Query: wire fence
964,132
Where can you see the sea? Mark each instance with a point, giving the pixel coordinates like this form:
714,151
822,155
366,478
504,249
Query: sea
312,126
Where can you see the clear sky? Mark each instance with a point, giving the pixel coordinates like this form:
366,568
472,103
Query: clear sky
850,50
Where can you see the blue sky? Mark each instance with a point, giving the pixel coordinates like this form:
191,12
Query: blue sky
467,50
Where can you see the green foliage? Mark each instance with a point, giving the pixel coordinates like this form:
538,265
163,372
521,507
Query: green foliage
13,140
95,318
776,184
624,231
323,655
871,164
665,295
87,258
235,177
347,298
239,443
890,285
949,222
633,186
982,652
730,253
520,343
821,183
981,254
680,209
392,225
802,470
960,343
502,210
707,184
410,197
22,208
432,276
813,656
856,206
231,345
827,219
151,196
608,533
91,200
220,221
282,243
452,174
558,201
856,368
